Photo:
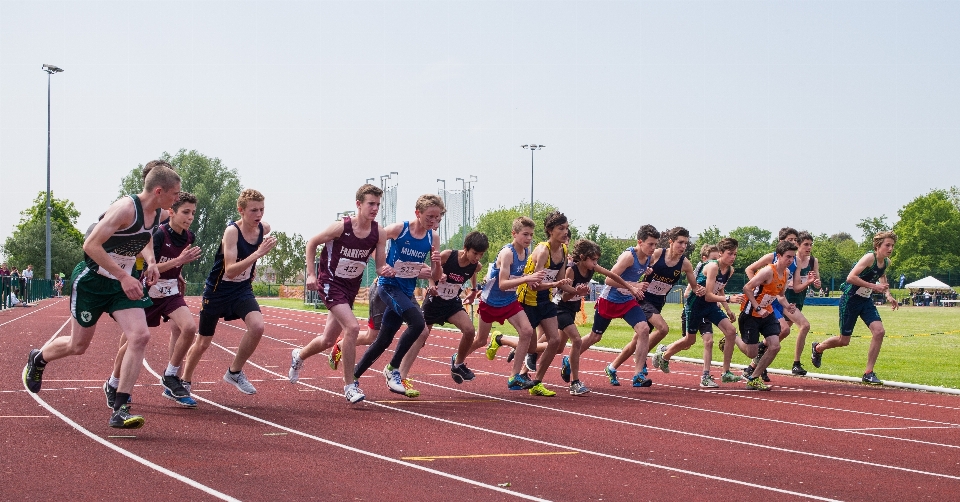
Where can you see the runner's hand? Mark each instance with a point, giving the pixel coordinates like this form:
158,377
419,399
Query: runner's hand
268,243
189,254
131,287
386,271
312,283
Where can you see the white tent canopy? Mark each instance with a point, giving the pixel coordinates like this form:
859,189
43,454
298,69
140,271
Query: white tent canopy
929,283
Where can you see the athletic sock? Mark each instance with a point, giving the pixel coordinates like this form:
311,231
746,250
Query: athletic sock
796,363
113,382
232,372
499,339
121,399
706,373
171,370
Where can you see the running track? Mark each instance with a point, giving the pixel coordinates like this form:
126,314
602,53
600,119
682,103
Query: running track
805,440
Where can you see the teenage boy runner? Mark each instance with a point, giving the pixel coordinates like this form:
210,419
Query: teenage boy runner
498,301
347,245
865,279
410,242
102,283
756,313
805,271
228,293
615,302
701,310
172,248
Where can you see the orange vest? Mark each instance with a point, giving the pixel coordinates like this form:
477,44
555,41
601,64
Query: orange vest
767,293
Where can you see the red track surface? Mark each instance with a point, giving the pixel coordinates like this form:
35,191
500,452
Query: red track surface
806,439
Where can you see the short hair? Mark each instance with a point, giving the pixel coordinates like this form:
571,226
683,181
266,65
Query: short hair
585,248
476,241
727,244
706,249
185,198
553,220
784,246
675,232
804,236
646,232
785,231
521,222
160,176
426,201
248,195
881,236
154,163
368,189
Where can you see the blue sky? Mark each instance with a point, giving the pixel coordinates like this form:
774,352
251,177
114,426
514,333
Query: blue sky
812,114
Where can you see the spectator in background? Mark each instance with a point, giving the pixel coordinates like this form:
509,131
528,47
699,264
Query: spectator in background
4,270
16,302
58,284
27,279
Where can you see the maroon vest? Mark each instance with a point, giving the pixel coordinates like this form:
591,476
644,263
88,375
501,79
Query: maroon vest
343,259
168,250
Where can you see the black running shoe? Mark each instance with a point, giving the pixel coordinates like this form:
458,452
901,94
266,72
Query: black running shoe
456,370
33,374
765,377
111,393
815,357
531,362
174,385
511,355
798,369
122,419
871,378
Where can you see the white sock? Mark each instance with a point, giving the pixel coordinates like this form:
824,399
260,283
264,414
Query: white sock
113,382
171,370
612,369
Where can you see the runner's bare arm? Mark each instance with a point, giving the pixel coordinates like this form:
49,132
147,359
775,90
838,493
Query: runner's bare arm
327,235
755,267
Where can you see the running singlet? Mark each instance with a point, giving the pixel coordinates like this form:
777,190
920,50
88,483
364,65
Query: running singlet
524,293
406,256
218,282
124,245
631,274
167,245
766,294
661,280
342,260
456,277
575,300
721,281
492,295
793,297
871,274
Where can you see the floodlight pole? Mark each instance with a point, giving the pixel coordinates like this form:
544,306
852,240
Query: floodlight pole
50,69
531,147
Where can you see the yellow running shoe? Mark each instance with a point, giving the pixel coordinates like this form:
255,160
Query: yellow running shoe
494,346
409,391
540,390
335,354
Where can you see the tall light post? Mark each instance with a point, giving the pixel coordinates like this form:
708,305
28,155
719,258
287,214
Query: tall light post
368,180
532,147
50,69
383,178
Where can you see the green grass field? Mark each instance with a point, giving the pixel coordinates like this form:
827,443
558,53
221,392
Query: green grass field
922,345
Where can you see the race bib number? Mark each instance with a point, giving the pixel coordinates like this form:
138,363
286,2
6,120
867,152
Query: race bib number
550,275
240,278
766,300
407,269
448,290
718,287
349,269
164,288
864,292
625,291
125,262
515,287
659,288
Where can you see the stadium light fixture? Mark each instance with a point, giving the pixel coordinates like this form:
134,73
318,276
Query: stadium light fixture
531,147
50,69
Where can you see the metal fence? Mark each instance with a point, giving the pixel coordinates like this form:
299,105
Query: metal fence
24,290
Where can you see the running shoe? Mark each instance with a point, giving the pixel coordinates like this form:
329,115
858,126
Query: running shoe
641,380
565,369
353,393
756,383
123,419
394,382
458,371
186,385
185,401
764,376
664,365
871,378
111,393
798,369
32,373
531,362
172,384
493,347
511,355
612,375
335,354
722,343
239,381
578,389
657,359
296,364
409,391
815,357
748,372
729,377
539,390
519,382
708,382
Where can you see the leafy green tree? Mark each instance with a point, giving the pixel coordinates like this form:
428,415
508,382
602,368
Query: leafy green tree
27,244
216,188
754,243
839,237
928,235
497,224
288,257
709,235
871,227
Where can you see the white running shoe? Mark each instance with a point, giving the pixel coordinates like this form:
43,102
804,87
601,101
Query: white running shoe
394,382
240,382
296,364
353,393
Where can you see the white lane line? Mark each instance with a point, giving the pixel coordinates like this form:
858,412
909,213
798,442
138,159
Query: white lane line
31,311
896,428
347,447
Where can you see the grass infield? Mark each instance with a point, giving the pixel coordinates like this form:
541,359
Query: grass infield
922,344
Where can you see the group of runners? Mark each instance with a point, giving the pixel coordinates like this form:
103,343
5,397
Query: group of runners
134,254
